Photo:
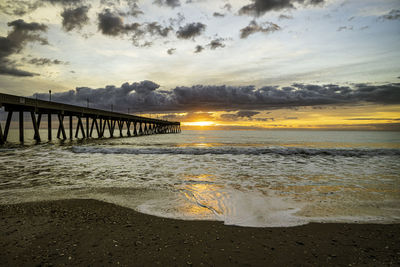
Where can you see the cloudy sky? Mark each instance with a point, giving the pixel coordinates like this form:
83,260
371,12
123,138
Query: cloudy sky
241,64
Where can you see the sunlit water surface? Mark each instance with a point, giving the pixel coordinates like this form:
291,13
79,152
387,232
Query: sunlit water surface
247,178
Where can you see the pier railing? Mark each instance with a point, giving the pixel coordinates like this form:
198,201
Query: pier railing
95,119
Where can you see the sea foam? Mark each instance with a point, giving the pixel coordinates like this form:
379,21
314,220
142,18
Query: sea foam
285,151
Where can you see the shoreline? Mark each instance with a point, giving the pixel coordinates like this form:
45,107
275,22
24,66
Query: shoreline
92,232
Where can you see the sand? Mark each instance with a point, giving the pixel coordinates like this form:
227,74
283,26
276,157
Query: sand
90,232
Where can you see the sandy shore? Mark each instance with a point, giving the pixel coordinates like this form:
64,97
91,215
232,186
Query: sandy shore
89,232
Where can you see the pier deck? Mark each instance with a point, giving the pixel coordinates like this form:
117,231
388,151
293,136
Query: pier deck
94,119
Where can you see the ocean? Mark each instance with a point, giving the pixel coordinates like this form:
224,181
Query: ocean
245,178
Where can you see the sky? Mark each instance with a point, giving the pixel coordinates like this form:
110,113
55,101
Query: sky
211,64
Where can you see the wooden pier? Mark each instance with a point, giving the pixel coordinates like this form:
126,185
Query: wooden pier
93,119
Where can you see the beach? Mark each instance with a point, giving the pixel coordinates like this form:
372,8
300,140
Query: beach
90,232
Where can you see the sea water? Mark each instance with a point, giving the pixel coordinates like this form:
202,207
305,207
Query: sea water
246,178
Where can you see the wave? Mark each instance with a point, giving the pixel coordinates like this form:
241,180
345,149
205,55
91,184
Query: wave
284,151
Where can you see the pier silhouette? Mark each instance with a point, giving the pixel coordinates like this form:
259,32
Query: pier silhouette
94,119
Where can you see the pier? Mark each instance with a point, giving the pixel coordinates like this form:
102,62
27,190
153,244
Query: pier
88,120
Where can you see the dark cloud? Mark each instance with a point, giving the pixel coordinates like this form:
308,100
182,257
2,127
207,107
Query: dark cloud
394,14
145,44
134,9
171,51
75,18
218,15
154,28
345,28
169,3
194,1
146,96
228,117
216,43
178,20
283,16
21,34
246,113
260,7
227,6
264,119
20,26
137,96
19,7
171,117
254,27
111,3
189,116
63,2
191,30
200,48
13,71
240,114
111,23
45,61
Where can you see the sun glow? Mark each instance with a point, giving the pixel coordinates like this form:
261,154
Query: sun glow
199,123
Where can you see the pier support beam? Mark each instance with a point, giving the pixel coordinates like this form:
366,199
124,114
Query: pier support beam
103,129
1,136
70,127
80,127
87,127
113,122
49,126
110,128
7,127
134,129
35,127
21,126
91,128
61,129
97,128
128,126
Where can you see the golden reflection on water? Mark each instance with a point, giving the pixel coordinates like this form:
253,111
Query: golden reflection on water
202,197
199,145
203,145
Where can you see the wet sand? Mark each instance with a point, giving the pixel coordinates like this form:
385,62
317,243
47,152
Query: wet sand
90,232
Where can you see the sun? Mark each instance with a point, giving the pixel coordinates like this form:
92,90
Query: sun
199,123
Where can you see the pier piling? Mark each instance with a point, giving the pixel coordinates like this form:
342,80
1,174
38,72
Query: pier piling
70,127
49,126
21,126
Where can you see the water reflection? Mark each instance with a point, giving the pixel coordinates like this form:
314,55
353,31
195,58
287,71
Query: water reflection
199,145
202,197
